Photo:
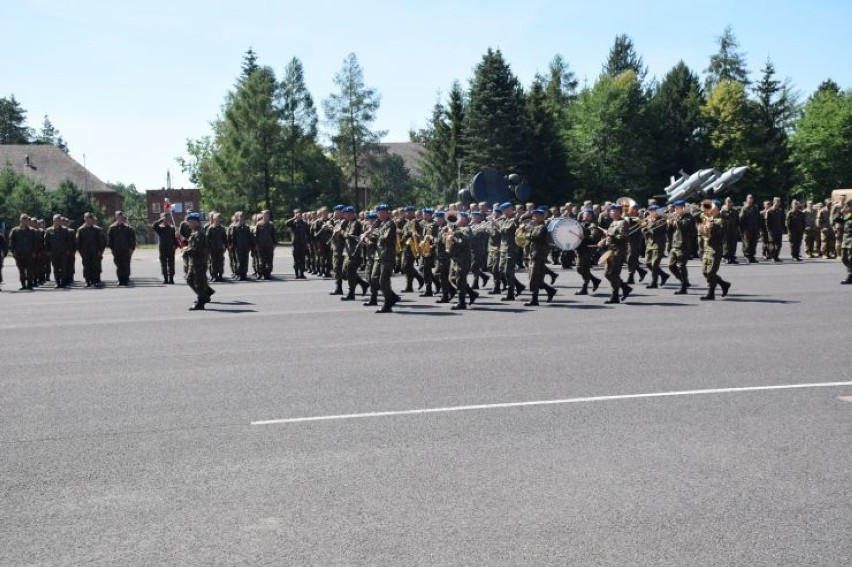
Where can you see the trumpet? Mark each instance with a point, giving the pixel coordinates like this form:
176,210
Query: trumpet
426,246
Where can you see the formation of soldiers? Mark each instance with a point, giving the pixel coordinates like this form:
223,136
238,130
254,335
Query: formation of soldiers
442,249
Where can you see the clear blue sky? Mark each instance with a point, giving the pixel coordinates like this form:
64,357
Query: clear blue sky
127,83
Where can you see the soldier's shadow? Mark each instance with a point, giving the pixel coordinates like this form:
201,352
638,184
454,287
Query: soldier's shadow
755,299
214,310
231,303
572,305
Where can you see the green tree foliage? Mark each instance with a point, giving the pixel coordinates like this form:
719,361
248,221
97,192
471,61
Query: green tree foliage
727,64
50,135
133,206
548,173
675,122
13,128
822,144
495,122
607,143
299,131
438,175
772,115
19,194
727,121
70,202
351,111
623,57
390,180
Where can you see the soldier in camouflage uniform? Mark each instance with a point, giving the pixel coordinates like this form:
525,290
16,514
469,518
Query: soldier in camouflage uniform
196,252
616,242
442,257
509,251
591,236
845,220
775,229
478,249
300,232
683,225
635,245
241,241
539,251
750,222
121,239
352,254
730,220
217,242
336,244
835,217
826,231
411,229
427,260
655,230
385,260
712,230
812,235
494,250
265,239
4,250
459,245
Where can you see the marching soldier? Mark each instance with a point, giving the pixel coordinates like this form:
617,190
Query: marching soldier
479,237
730,220
616,241
91,243
352,254
429,236
683,225
826,231
458,245
232,256
712,230
121,239
494,250
635,242
384,261
22,243
443,258
539,251
4,249
655,242
410,233
42,258
58,244
509,251
750,223
836,219
300,231
369,237
591,236
196,252
796,225
775,229
217,242
845,221
168,242
336,244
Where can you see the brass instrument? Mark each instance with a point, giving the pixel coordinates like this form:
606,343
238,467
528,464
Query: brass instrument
426,246
521,236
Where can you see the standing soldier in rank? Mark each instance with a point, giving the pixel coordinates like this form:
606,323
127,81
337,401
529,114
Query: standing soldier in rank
265,240
836,219
217,242
845,220
58,244
730,219
796,224
22,243
775,229
825,229
712,230
241,241
168,241
812,236
750,222
4,249
121,239
539,252
91,243
300,232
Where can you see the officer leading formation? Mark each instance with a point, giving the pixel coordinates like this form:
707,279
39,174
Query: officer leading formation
441,248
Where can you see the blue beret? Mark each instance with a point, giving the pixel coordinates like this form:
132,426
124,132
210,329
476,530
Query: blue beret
193,216
441,214
348,209
476,213
717,202
410,209
428,211
539,211
507,205
463,214
679,203
338,207
372,215
653,208
615,207
382,207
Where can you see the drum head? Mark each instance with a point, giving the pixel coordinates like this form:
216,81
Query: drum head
566,233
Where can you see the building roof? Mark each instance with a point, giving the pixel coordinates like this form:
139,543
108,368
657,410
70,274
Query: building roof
49,166
412,153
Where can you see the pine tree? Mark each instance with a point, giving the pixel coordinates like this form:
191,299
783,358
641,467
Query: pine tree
249,65
548,173
495,122
727,64
623,57
299,122
352,111
675,122
13,128
50,135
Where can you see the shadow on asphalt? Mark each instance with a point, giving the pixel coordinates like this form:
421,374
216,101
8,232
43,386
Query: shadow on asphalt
662,304
752,299
231,303
231,310
577,306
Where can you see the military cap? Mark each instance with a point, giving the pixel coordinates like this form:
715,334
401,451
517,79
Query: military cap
679,203
338,207
193,216
717,202
464,214
410,209
476,213
382,207
371,215
441,214
539,211
507,205
653,208
615,207
348,209
428,211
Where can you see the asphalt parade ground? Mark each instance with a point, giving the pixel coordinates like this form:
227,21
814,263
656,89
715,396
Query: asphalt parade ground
283,426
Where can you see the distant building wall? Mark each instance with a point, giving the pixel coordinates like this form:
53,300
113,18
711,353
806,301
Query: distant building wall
182,200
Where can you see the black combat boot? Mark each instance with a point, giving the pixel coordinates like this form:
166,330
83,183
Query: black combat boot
364,287
613,298
338,290
532,302
642,273
711,294
496,290
460,306
596,282
847,281
519,288
550,293
485,279
197,306
553,276
386,308
583,290
349,296
409,288
373,301
630,280
428,292
664,277
472,296
724,285
682,290
625,291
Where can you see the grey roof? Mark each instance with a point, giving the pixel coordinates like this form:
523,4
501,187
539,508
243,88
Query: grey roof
50,166
412,153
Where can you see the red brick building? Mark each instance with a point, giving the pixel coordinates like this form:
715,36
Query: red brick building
182,200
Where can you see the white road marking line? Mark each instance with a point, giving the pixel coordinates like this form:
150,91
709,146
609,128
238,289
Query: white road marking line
549,402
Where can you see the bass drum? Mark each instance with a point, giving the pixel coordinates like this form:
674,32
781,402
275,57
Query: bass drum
565,233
